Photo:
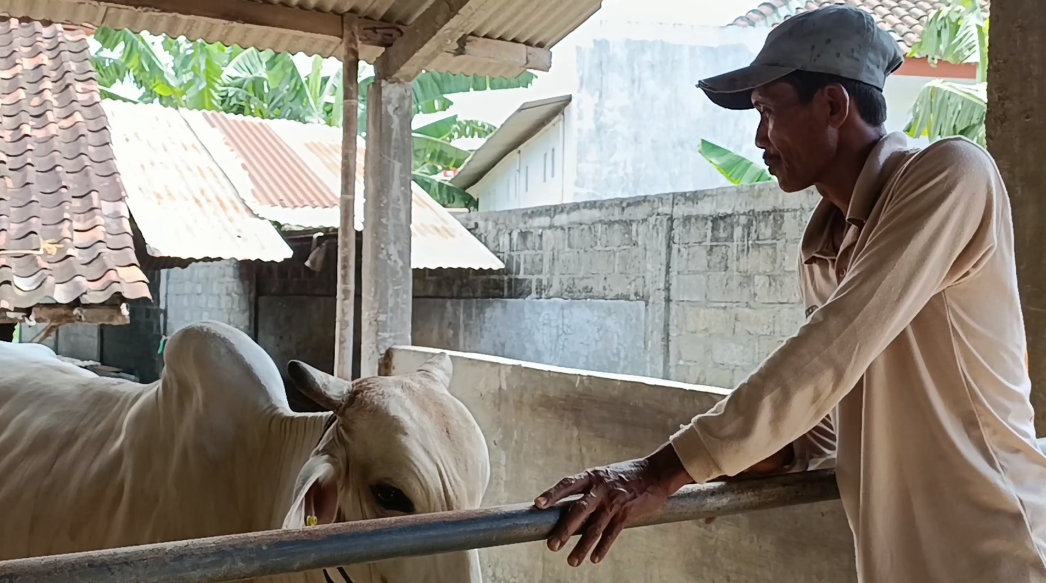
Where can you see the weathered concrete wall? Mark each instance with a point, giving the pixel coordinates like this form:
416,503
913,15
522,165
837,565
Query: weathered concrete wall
1016,135
571,420
735,291
80,341
637,118
609,260
557,332
220,290
696,287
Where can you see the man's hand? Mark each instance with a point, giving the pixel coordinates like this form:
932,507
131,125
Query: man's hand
611,496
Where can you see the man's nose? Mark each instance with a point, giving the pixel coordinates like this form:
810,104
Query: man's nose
762,139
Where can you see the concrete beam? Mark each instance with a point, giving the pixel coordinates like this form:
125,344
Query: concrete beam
387,278
436,31
1016,138
346,298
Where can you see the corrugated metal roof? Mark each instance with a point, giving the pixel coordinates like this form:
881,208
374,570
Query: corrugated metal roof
541,23
523,124
289,172
65,234
182,200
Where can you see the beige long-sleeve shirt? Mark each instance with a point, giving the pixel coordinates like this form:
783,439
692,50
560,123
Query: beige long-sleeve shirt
909,374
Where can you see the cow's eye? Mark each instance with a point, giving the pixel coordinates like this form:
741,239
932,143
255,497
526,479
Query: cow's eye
392,499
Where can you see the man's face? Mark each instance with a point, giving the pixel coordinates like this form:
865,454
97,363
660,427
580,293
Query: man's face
797,140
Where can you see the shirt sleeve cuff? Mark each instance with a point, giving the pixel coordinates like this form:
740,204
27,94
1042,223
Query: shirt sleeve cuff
697,461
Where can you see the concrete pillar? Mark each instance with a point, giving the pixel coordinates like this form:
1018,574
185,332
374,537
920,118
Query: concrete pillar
387,283
347,202
1017,139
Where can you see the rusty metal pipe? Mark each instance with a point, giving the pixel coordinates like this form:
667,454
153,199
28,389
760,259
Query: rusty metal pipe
244,556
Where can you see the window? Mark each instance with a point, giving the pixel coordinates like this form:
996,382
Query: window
553,173
544,176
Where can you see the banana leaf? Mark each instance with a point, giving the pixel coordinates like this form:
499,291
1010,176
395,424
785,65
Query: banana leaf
945,109
446,194
737,169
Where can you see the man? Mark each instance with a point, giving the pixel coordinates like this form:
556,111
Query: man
909,373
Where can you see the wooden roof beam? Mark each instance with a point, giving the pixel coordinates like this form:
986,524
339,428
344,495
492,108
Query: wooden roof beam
443,29
272,16
371,32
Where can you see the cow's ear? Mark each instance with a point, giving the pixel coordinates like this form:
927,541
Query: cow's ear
440,369
316,496
321,388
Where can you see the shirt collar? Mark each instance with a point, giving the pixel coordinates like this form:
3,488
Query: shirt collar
882,163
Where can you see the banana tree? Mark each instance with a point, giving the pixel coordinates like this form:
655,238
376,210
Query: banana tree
737,169
122,56
957,34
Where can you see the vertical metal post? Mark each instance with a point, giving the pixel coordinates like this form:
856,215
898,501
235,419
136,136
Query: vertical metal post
387,284
347,200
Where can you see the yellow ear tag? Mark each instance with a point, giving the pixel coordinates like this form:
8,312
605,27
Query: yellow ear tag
311,521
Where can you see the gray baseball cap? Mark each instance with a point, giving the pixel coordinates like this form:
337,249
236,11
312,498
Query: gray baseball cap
838,40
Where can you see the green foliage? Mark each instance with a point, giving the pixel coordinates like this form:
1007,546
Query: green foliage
957,34
268,85
945,109
445,193
740,171
134,58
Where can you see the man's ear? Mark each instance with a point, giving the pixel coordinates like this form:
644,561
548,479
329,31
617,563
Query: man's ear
840,104
315,496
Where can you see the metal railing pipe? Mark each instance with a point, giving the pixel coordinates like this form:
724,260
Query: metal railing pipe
244,556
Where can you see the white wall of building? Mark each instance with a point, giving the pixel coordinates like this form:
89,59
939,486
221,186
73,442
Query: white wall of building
636,119
532,175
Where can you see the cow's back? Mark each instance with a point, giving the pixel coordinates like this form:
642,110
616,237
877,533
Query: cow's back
60,434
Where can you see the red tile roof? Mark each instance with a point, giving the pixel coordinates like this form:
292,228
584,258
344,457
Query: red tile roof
65,233
902,18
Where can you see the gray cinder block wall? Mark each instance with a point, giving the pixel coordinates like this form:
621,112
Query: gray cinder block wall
696,287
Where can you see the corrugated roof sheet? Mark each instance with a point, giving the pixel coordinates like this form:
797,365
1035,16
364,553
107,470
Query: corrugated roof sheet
904,19
183,202
523,124
289,172
541,23
65,233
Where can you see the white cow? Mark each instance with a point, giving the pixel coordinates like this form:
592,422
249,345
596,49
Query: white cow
213,448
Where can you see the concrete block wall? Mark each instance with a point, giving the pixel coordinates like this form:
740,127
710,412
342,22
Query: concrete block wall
734,294
219,290
715,272
607,261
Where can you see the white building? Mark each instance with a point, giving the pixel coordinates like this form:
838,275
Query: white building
629,118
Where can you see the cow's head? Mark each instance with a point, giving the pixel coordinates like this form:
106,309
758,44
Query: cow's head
401,445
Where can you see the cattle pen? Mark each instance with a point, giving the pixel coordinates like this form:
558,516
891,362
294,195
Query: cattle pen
245,556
